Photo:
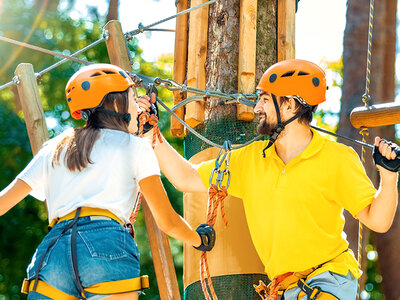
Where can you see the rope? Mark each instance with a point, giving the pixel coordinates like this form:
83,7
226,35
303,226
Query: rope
216,198
366,98
144,117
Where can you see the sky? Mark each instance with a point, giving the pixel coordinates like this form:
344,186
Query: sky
319,34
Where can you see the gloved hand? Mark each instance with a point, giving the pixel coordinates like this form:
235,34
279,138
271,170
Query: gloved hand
207,236
392,165
152,93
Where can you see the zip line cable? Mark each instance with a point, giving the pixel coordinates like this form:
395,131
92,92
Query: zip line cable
22,44
142,28
127,35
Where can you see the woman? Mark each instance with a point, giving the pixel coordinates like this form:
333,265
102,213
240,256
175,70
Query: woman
90,178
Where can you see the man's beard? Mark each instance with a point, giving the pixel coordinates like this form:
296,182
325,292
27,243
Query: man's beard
265,128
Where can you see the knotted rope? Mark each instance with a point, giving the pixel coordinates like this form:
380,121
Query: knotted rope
152,119
216,197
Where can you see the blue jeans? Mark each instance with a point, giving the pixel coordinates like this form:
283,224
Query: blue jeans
105,252
343,287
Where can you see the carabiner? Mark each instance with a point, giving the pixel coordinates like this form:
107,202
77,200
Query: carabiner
215,170
224,172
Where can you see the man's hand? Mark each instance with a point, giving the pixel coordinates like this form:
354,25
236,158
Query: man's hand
385,155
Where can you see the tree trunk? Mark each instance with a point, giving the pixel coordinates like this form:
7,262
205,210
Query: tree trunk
113,10
381,90
221,124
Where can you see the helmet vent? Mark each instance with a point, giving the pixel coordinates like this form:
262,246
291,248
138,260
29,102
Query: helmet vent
288,74
301,73
109,72
95,74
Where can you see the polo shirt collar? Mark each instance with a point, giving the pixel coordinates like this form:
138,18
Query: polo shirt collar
313,148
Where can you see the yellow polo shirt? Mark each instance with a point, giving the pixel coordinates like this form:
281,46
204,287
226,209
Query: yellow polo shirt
295,211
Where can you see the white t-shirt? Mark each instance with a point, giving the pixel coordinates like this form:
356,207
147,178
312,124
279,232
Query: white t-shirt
120,161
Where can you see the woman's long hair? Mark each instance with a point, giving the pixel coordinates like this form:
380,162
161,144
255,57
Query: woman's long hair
80,143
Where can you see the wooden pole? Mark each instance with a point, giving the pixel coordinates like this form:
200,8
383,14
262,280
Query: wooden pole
28,93
247,55
180,56
375,115
286,29
160,249
116,45
197,54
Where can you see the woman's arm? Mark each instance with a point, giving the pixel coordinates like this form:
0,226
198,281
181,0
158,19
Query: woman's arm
180,172
165,216
13,194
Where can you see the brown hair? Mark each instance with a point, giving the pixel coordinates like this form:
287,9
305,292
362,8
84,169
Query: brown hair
80,143
306,112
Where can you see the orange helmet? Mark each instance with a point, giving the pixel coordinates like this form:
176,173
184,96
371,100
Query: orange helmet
88,86
295,77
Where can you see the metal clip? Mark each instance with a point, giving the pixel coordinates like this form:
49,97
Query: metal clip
16,80
106,34
213,172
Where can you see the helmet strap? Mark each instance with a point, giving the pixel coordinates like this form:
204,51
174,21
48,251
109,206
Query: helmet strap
279,126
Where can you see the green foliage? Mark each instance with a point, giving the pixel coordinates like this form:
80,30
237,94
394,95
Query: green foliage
23,227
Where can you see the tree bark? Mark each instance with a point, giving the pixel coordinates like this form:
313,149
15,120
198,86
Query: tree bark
382,89
112,10
221,124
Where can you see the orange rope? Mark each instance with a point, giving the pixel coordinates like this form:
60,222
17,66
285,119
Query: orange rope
216,197
144,117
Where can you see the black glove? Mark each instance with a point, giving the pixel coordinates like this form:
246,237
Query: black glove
388,164
207,236
153,108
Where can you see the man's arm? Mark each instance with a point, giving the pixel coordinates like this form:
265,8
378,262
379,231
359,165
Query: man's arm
379,215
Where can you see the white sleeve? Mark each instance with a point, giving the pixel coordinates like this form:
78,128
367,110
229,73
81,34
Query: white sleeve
34,175
145,162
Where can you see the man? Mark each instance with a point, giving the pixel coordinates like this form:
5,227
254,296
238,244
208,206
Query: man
295,186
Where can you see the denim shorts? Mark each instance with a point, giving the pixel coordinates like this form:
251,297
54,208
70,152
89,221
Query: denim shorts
105,252
343,287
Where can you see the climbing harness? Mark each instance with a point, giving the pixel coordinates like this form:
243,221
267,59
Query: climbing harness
284,282
44,288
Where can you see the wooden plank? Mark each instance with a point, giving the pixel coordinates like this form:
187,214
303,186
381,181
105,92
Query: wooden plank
161,253
28,93
159,244
116,46
180,56
247,55
376,115
286,29
197,54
